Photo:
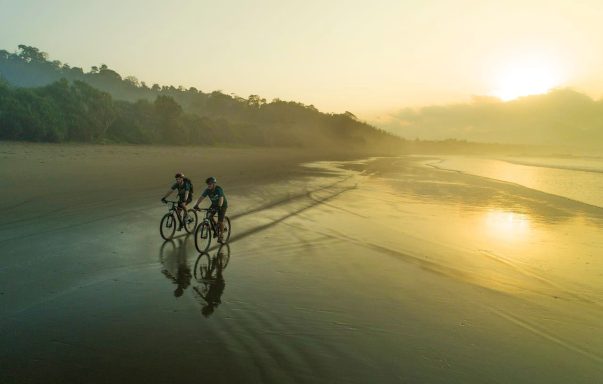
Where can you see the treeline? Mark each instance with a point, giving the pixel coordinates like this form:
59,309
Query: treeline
43,100
64,111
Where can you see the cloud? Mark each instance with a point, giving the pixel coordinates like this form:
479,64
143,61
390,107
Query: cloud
560,117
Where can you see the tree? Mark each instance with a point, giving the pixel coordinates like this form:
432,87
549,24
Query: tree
97,107
31,54
168,114
255,101
350,115
132,81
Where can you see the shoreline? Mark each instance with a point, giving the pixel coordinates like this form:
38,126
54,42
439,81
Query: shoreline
505,178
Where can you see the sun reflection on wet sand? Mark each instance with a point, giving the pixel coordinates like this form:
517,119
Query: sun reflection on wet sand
506,225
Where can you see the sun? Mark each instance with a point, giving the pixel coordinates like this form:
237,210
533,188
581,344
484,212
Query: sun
524,79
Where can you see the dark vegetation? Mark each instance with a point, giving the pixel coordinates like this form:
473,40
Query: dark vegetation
48,101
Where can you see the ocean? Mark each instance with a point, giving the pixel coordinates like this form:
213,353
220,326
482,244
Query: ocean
576,178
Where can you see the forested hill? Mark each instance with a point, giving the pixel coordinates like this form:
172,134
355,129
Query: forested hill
43,100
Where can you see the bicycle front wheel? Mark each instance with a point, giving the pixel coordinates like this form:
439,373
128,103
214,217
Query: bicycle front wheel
190,221
203,237
202,265
167,227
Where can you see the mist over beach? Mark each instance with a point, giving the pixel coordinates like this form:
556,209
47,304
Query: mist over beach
398,208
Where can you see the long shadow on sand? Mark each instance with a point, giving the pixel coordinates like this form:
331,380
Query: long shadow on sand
288,199
311,202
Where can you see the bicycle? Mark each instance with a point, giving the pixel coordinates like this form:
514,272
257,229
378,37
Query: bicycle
167,226
209,227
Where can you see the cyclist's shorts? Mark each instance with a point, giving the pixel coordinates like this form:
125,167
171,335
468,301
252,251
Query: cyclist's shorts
221,212
190,198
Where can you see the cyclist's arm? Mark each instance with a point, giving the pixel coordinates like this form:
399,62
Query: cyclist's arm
168,193
187,192
172,189
220,193
199,200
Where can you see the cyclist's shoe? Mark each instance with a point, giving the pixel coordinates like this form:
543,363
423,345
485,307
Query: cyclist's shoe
221,239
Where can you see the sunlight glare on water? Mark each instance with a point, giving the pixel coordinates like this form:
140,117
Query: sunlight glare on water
577,179
506,226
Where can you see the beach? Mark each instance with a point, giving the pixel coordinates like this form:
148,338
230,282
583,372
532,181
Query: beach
342,268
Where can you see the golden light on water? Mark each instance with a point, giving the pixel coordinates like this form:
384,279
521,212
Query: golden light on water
524,79
508,226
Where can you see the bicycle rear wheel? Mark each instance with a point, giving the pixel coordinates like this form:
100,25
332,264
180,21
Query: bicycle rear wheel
203,236
167,227
227,229
190,221
223,255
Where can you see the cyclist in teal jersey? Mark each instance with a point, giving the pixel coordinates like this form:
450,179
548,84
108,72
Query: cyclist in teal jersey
185,195
219,204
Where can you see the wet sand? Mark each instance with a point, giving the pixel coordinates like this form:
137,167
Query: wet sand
383,270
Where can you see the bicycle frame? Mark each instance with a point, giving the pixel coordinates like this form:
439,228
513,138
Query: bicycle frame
209,218
175,208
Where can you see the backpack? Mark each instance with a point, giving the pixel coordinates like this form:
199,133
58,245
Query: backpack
190,183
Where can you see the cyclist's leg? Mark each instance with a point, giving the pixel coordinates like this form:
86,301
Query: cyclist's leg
212,213
221,214
184,210
181,213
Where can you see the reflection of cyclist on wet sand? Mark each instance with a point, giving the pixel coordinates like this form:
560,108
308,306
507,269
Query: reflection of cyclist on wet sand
180,273
218,203
213,297
183,279
212,279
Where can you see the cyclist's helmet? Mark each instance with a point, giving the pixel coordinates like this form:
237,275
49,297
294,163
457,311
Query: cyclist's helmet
210,180
179,175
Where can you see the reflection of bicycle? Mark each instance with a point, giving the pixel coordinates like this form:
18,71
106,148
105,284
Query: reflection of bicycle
175,267
170,220
208,272
207,267
208,228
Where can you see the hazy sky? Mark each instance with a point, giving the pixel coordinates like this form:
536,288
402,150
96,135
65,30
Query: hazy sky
367,57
